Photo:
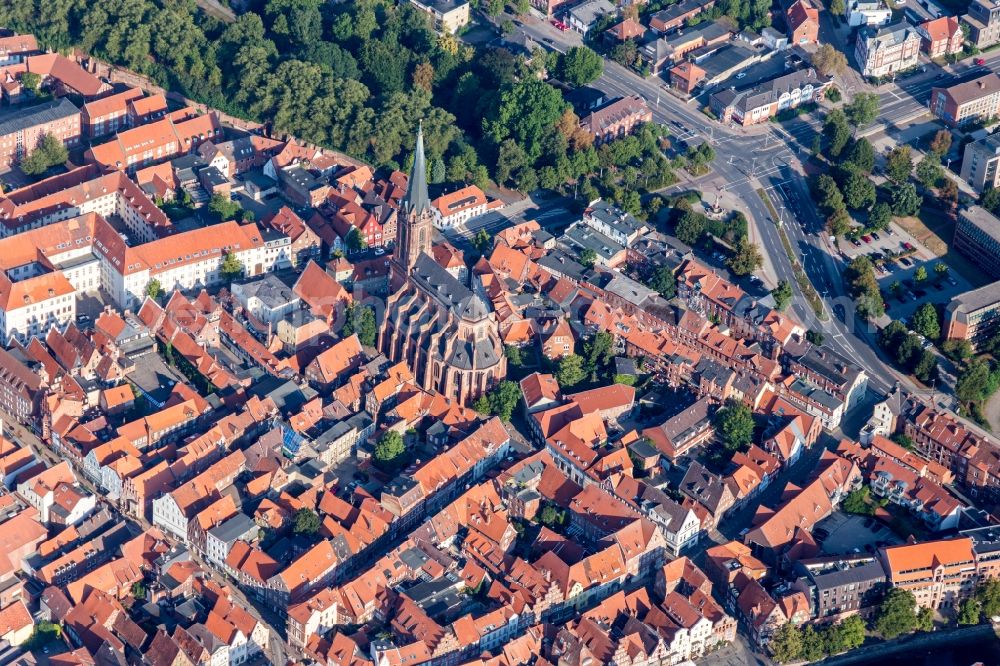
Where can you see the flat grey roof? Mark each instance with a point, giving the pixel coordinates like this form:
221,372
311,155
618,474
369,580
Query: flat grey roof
24,117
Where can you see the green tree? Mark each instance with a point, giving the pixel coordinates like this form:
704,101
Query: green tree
897,614
908,351
892,335
355,241
920,275
153,289
880,217
940,270
990,199
501,401
482,241
827,59
957,350
815,337
735,424
438,173
782,295
231,268
30,81
864,288
527,113
926,367
837,131
827,193
690,227
588,257
223,207
597,350
863,109
482,405
664,282
968,611
857,502
905,200
904,440
745,259
925,620
859,191
988,595
786,644
813,645
571,371
306,522
929,171
974,381
580,66
839,222
49,152
363,320
515,356
899,164
552,516
925,321
848,635
628,380
862,155
390,451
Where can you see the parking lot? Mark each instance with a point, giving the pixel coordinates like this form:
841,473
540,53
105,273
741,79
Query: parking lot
848,534
901,301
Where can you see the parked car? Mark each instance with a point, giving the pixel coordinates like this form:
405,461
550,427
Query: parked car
875,235
952,282
856,242
980,61
905,261
867,239
908,245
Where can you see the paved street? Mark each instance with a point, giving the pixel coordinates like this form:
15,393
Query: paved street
746,160
768,156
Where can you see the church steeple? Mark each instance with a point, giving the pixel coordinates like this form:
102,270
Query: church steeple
415,226
417,199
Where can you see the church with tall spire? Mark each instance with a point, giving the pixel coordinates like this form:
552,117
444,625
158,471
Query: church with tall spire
441,327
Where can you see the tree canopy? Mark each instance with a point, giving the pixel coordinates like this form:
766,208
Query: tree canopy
306,521
735,424
782,295
49,152
501,401
580,66
390,451
863,109
897,614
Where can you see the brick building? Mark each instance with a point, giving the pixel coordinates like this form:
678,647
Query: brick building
978,99
894,48
974,315
617,119
22,128
977,236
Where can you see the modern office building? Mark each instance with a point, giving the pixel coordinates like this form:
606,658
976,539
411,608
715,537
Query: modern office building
977,236
979,163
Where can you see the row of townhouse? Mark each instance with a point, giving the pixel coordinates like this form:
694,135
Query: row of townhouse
85,253
555,586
